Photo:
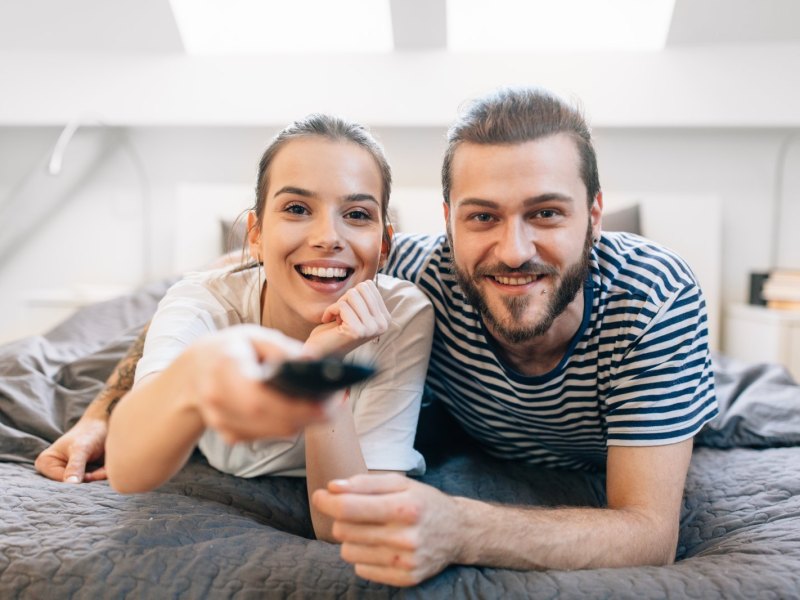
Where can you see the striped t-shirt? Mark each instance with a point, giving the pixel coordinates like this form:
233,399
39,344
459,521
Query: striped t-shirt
637,372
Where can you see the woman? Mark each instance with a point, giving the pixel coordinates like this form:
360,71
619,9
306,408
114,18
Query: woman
318,233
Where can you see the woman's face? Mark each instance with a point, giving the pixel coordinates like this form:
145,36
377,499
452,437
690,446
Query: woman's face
321,229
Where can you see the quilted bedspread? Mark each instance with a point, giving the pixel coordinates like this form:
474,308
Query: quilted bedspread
210,535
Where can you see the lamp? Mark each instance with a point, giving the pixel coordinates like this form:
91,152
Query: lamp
34,198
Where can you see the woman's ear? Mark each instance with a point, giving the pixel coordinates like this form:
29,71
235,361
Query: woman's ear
386,244
254,236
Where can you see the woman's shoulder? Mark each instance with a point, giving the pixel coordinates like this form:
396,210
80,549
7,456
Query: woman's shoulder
399,291
405,302
225,288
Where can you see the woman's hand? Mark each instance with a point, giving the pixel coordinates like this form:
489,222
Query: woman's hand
357,317
217,382
229,391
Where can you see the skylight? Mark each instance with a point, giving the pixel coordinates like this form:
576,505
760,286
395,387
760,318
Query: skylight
557,25
295,26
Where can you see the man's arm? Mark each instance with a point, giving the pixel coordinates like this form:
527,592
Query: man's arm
400,532
66,459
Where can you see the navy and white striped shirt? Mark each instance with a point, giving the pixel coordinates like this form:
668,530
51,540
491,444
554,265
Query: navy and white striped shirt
637,372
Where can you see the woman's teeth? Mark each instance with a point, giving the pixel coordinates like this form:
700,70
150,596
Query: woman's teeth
324,272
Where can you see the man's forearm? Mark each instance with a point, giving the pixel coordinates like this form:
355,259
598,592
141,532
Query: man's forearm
119,382
561,538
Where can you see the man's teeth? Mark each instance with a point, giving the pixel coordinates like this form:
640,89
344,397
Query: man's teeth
515,280
324,271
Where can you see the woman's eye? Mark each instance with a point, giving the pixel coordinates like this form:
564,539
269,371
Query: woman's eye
358,214
296,209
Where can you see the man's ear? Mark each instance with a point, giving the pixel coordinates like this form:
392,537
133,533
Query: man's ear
446,210
254,236
596,215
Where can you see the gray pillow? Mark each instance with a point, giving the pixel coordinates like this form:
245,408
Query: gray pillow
233,234
625,219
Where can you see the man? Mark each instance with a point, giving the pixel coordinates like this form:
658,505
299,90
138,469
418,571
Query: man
555,346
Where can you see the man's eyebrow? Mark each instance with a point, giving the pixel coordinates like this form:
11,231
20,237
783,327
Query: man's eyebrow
290,189
548,197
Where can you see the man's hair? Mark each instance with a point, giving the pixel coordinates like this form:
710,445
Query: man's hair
517,115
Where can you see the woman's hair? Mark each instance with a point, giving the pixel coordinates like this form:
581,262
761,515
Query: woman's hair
335,129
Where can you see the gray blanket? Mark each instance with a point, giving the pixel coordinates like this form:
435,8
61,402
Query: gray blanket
209,535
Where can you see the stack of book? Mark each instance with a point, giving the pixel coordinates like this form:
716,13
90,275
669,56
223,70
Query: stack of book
782,290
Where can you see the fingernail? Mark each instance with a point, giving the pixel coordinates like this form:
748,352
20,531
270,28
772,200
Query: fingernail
342,483
72,479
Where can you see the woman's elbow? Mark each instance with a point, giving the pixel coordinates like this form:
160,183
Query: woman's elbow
123,482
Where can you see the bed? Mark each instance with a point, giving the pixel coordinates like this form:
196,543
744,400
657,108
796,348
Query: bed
209,535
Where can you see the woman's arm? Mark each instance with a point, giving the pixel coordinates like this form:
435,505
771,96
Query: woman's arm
333,449
216,382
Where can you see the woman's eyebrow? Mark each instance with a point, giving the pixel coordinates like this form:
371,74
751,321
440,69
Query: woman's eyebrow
296,191
359,198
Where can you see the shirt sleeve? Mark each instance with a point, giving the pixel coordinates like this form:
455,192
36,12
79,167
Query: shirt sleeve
187,312
386,408
663,390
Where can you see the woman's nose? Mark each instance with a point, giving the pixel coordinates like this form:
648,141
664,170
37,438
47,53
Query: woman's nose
325,232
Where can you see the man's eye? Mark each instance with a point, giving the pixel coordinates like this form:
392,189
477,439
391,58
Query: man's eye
482,217
547,213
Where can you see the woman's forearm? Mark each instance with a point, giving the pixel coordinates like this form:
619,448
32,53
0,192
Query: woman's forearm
153,430
332,452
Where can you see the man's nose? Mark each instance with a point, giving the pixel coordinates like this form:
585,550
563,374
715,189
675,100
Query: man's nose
517,244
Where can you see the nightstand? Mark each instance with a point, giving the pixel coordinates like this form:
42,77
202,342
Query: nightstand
761,334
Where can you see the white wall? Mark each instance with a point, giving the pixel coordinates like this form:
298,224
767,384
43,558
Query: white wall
94,236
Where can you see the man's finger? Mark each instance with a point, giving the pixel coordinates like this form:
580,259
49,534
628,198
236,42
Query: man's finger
381,556
371,483
399,536
76,467
369,509
388,575
96,475
50,465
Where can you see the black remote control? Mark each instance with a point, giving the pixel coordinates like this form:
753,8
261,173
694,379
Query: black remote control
317,378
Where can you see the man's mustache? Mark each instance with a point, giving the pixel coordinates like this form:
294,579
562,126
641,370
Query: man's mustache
530,267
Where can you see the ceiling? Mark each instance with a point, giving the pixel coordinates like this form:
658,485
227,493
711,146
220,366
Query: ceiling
123,62
148,26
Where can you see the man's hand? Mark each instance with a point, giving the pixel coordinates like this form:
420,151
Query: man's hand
357,317
394,530
66,459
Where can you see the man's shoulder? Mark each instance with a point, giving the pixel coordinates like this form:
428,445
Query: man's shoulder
631,264
414,254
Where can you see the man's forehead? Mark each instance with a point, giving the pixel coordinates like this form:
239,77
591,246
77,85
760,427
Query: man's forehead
550,164
562,145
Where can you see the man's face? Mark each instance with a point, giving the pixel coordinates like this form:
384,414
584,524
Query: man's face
521,231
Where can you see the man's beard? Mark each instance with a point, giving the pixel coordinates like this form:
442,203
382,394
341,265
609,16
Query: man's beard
567,287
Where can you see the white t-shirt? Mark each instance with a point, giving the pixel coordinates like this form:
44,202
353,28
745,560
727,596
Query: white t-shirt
385,408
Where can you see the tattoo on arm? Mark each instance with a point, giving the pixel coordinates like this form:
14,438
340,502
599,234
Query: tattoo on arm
121,379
